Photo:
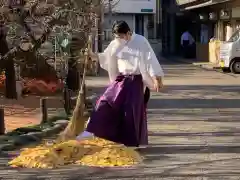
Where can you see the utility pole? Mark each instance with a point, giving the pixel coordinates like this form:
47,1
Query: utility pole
99,26
110,12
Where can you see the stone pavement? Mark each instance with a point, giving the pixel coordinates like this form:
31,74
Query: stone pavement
200,63
194,131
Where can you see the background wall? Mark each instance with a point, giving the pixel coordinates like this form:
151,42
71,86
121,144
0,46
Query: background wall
135,6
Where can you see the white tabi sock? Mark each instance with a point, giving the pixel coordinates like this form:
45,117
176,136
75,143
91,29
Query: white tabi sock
84,135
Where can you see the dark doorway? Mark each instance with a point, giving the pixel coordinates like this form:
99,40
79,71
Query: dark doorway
184,23
139,24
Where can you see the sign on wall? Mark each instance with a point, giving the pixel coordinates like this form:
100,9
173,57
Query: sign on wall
225,14
213,16
203,16
236,12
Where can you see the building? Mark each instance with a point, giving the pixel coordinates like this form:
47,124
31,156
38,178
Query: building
215,16
139,14
205,19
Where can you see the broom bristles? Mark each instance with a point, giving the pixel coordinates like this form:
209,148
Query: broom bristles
77,122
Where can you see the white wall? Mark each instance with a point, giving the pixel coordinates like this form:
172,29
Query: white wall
118,17
135,6
107,27
130,19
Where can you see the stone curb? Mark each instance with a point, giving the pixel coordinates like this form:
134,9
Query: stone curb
207,66
22,140
10,143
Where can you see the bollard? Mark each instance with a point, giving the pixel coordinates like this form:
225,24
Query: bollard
43,106
67,101
2,122
84,94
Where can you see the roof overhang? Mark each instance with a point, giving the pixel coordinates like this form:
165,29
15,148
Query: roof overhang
204,4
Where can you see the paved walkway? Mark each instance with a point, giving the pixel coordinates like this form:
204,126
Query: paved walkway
194,131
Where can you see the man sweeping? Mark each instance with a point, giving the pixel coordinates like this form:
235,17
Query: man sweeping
133,69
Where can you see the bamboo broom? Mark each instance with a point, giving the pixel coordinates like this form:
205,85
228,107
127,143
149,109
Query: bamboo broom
77,122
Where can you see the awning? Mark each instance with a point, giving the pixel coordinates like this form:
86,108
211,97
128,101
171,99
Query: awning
184,2
208,3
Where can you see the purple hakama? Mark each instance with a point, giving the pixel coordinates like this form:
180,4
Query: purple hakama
120,113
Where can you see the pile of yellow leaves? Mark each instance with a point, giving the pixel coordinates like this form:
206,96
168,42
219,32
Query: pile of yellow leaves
91,152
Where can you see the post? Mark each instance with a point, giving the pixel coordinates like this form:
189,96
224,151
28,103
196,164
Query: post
145,26
96,39
97,20
10,82
67,103
100,24
55,53
2,122
110,12
43,106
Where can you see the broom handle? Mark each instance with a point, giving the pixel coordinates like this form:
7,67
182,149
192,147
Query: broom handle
86,62
78,110
80,94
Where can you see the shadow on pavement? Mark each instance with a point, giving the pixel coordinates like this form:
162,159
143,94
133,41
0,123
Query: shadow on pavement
176,149
192,96
196,103
202,134
175,105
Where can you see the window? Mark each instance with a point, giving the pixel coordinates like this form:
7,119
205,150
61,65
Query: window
235,36
237,25
150,26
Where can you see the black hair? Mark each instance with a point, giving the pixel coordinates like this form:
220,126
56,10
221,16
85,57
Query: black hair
120,27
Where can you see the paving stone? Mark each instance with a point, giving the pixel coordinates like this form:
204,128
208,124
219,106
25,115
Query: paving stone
193,132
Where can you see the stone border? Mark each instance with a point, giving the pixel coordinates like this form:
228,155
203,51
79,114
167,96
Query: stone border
204,65
34,134
10,143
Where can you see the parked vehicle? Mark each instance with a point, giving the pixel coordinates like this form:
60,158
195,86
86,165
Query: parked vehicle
230,54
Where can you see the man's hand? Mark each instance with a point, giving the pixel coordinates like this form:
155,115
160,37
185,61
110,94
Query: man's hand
158,85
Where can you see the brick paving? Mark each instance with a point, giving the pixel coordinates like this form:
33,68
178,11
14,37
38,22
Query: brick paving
194,133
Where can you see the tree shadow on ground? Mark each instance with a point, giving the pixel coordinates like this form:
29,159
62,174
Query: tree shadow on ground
201,97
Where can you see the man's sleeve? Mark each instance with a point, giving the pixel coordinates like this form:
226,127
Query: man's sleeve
154,67
103,57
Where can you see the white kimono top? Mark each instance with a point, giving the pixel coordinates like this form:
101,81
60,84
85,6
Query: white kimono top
131,58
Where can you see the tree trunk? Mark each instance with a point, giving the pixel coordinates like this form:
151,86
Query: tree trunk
73,76
10,82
